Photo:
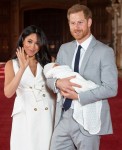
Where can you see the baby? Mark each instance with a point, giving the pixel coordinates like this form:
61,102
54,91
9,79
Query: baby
88,115
53,70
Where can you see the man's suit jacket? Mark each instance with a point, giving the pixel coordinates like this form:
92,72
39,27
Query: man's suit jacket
99,66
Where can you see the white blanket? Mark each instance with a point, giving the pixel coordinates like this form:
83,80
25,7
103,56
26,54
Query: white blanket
89,115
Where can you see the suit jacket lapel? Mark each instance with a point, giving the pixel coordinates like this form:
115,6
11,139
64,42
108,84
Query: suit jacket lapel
87,55
71,51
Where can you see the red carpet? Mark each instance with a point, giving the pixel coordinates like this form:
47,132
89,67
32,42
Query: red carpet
5,113
114,141
109,142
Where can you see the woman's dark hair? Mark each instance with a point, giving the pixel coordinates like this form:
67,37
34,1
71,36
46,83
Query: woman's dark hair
43,56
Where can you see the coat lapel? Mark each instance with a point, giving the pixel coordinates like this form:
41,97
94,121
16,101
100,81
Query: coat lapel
70,53
87,55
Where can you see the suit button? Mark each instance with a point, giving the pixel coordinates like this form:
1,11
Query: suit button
43,95
35,109
46,108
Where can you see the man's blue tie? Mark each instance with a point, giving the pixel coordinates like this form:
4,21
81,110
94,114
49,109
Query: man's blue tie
67,103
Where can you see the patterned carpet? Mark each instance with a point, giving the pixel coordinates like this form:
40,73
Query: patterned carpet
109,142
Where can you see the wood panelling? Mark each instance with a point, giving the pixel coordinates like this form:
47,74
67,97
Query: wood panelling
50,15
101,26
4,30
14,23
53,22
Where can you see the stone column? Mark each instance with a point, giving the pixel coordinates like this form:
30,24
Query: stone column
116,11
119,39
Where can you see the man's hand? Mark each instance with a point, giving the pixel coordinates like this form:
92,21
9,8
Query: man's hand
70,94
66,87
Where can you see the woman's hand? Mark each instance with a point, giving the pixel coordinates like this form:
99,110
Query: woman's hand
23,58
12,80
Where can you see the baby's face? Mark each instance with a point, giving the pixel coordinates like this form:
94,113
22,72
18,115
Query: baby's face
55,65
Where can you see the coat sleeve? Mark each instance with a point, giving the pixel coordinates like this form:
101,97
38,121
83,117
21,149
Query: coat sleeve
108,78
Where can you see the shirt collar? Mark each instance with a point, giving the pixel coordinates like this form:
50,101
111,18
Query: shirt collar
86,43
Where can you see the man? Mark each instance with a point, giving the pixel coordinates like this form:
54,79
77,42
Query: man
94,61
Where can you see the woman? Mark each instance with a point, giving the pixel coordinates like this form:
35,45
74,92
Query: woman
33,109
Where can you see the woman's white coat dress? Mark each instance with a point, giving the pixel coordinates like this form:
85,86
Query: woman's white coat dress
33,112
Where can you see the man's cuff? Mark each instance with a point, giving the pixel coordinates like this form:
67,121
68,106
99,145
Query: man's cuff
78,98
56,89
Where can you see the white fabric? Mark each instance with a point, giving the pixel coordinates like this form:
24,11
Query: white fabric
33,112
89,115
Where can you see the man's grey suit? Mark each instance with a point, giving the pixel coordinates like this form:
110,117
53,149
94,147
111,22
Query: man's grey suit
99,66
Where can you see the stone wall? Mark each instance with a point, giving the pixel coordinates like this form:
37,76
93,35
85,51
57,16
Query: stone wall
115,10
